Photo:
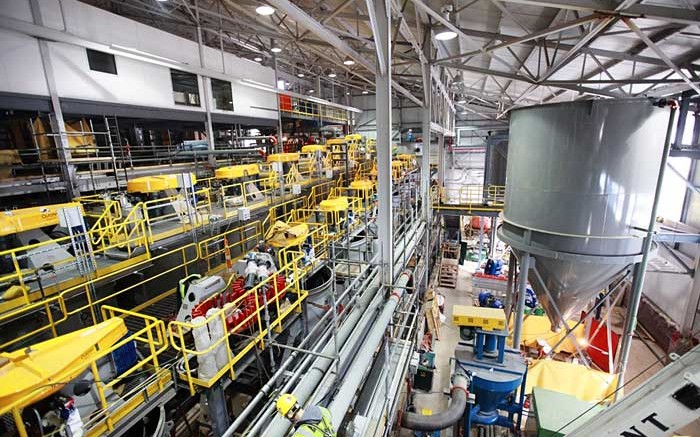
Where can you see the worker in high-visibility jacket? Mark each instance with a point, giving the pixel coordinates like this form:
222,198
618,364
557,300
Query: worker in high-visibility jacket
313,421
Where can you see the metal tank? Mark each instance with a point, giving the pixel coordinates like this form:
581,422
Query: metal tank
580,184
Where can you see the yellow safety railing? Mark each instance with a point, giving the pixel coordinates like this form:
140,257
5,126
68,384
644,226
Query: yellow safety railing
317,241
188,212
59,269
472,197
250,303
252,194
235,242
55,308
153,336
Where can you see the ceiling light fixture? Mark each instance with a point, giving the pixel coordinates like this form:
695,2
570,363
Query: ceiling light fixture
442,32
365,92
311,91
265,10
445,34
348,61
257,59
300,74
274,48
331,74
461,101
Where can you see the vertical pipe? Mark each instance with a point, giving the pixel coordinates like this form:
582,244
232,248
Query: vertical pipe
520,306
383,112
640,268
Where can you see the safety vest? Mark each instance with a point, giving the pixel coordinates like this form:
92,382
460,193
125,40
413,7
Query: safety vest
322,427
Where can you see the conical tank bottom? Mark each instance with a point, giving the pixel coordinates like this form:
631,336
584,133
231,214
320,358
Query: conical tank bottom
571,285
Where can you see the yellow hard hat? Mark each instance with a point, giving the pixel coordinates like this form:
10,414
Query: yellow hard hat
287,405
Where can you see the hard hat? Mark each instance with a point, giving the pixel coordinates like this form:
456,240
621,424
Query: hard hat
287,405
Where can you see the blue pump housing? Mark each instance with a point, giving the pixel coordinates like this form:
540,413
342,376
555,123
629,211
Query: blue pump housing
496,374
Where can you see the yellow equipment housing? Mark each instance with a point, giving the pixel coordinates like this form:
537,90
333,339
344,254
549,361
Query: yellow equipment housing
362,184
313,148
154,184
27,219
283,157
405,157
488,319
30,374
336,204
237,171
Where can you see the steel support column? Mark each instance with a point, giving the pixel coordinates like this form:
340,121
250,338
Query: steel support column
68,170
206,90
382,38
425,150
520,305
441,160
280,147
218,414
640,268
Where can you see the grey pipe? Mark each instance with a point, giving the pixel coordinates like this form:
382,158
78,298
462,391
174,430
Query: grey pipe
364,357
279,426
266,389
357,321
447,418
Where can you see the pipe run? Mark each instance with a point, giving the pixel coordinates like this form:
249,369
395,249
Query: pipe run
348,332
447,418
365,356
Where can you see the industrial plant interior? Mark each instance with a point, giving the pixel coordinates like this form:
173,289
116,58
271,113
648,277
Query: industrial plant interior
414,218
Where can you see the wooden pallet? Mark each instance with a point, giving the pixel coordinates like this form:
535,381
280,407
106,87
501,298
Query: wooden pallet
432,313
448,273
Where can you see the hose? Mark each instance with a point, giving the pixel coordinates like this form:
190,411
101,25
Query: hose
447,418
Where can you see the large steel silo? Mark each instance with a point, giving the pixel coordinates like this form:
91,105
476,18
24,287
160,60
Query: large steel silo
580,178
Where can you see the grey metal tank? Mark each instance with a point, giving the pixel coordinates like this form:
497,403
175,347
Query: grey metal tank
580,178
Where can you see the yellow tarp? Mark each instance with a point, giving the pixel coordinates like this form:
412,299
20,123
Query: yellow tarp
283,235
573,379
539,327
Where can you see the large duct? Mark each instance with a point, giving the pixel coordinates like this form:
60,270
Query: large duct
580,184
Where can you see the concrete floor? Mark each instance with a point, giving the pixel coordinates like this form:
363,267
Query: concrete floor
643,363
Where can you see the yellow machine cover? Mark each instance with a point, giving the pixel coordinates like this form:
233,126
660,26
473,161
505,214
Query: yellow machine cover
153,184
237,171
26,219
573,379
488,319
362,184
283,157
334,205
283,235
311,148
32,373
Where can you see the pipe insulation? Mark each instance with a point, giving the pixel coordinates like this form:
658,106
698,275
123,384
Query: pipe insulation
279,426
447,418
365,356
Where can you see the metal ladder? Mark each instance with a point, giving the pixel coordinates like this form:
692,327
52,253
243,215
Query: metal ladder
114,140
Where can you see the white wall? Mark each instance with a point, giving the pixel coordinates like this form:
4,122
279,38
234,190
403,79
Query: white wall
137,82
